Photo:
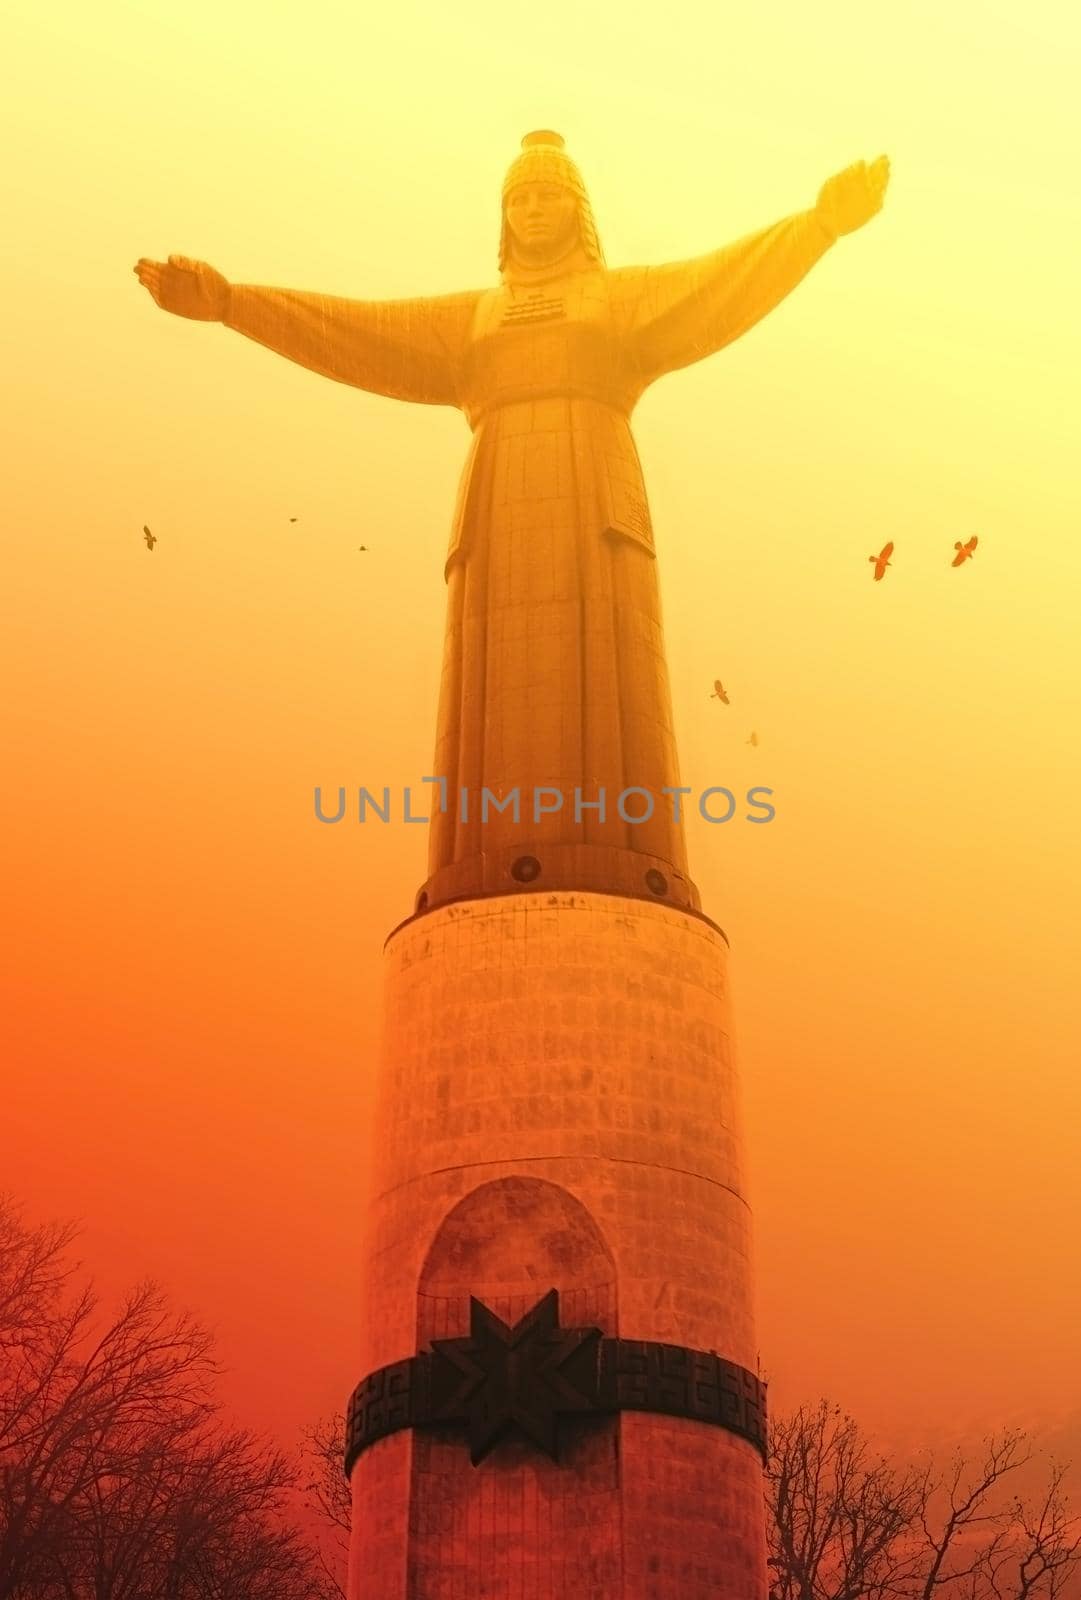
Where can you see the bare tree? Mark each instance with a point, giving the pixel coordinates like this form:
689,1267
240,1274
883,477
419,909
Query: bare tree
845,1524
331,1501
118,1480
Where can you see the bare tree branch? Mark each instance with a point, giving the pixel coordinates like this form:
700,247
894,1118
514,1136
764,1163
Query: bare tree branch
118,1480
845,1525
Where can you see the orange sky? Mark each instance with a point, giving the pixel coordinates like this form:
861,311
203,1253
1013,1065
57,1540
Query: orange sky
194,963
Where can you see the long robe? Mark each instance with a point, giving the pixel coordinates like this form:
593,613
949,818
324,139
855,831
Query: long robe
554,675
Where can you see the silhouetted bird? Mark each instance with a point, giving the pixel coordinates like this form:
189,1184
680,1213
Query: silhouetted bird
292,519
882,561
718,692
151,538
753,739
964,551
362,547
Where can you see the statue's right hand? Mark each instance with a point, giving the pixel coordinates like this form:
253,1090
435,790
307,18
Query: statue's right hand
188,288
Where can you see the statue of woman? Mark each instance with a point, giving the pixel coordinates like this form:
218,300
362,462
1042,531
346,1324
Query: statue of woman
554,676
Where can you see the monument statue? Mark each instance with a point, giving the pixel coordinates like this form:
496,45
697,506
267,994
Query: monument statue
559,1393
554,674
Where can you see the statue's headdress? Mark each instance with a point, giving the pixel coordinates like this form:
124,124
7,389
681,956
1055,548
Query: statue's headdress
543,160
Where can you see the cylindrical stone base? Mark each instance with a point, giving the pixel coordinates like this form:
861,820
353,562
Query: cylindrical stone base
558,1108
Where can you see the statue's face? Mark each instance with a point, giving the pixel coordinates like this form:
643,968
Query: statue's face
542,218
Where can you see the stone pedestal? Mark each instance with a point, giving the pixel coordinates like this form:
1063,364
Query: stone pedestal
558,1108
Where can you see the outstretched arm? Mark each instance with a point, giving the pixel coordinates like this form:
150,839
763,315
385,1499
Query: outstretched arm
405,349
680,312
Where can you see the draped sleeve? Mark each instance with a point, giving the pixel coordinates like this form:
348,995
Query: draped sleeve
681,311
404,349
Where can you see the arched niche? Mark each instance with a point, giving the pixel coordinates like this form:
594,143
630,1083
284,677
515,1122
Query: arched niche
507,1243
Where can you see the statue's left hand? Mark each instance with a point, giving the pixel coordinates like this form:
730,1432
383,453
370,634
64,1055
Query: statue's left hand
852,197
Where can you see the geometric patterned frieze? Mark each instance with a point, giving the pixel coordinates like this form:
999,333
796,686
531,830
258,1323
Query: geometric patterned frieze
526,1375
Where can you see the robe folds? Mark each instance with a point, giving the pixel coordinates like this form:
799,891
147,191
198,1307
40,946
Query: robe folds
554,675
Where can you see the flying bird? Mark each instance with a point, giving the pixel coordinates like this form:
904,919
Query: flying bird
718,692
151,538
882,561
292,519
753,739
964,551
362,547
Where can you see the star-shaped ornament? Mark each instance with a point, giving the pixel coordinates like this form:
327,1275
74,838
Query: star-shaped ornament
524,1376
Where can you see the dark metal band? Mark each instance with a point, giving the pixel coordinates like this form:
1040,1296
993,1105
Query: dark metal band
560,867
554,1371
